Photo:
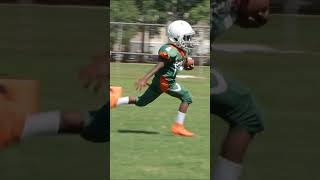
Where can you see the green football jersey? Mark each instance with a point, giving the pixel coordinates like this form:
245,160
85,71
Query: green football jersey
224,15
173,58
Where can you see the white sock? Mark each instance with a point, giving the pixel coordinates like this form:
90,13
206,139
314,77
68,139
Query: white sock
41,124
226,170
123,100
180,117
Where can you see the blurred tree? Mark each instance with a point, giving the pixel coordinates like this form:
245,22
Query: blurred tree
162,11
123,11
200,13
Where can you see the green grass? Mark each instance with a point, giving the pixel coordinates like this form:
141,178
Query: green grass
287,87
159,155
51,45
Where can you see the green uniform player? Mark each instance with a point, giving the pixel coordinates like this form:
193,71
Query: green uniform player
173,58
164,80
229,100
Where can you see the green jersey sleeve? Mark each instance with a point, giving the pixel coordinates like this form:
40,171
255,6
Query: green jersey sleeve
168,53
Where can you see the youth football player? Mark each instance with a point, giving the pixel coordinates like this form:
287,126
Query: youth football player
173,57
234,103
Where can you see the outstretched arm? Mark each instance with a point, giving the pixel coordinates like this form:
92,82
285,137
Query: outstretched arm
143,81
96,74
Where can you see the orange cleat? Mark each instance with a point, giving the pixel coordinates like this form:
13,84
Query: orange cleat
11,127
115,93
18,99
178,129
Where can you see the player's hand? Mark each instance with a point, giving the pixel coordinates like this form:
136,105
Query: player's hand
188,64
253,13
95,74
140,84
264,14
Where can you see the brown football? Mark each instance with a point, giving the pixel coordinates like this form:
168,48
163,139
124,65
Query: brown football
251,8
189,63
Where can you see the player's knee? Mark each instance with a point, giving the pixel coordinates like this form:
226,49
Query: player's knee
256,125
96,129
252,118
141,103
187,97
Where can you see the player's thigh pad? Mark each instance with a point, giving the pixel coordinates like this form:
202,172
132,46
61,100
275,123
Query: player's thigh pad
152,93
96,125
236,105
180,92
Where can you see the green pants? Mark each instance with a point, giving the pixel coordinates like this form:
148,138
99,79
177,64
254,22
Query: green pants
97,125
235,104
162,85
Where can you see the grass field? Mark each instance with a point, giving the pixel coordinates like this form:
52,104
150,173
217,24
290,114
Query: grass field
51,45
142,146
287,87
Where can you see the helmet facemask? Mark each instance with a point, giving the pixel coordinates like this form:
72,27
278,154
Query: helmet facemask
181,34
188,41
185,42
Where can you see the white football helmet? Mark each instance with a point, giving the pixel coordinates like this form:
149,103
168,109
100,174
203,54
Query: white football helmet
180,33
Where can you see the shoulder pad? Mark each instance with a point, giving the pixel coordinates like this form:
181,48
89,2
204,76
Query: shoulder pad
168,52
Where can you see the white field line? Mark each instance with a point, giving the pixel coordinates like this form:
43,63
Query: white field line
181,76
